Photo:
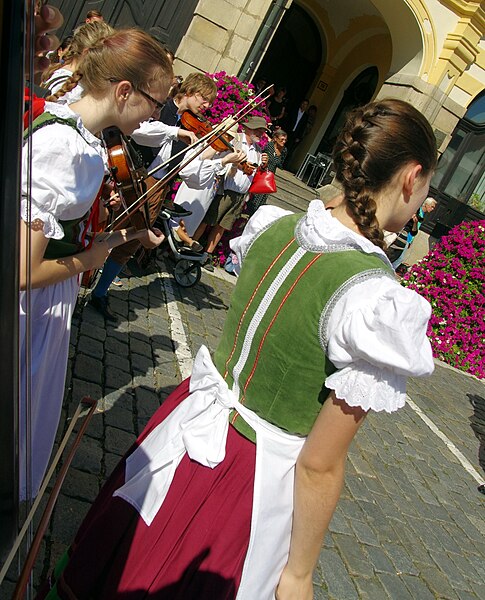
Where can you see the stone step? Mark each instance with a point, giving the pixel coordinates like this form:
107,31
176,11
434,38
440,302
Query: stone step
292,194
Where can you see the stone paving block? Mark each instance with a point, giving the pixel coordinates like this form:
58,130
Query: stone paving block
374,485
85,388
88,369
364,533
395,587
140,346
147,380
319,593
370,588
80,485
339,583
118,441
408,539
117,397
147,402
67,516
110,462
447,542
417,587
114,360
116,378
95,429
353,555
400,559
339,523
478,588
379,560
438,582
446,565
115,346
119,417
141,364
90,347
89,456
478,564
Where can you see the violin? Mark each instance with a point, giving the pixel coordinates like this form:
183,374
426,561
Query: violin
221,142
128,179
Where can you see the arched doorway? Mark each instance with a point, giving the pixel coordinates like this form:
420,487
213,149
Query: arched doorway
295,54
359,92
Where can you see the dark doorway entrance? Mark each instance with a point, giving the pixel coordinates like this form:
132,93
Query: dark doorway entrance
167,20
359,92
294,56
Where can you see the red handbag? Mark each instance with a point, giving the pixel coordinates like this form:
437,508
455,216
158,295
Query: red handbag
263,182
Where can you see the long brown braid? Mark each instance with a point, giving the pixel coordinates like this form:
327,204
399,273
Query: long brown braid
70,83
376,141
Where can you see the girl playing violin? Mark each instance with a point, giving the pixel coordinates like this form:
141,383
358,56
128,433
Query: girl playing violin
156,140
124,78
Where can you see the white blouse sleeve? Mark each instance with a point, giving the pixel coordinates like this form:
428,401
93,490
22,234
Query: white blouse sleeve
200,174
154,133
66,174
376,337
263,218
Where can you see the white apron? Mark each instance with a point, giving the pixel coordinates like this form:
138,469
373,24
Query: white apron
198,427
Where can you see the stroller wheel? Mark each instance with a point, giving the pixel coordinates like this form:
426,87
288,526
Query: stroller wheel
187,272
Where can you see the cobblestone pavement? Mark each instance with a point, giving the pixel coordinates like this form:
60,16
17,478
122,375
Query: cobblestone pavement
410,523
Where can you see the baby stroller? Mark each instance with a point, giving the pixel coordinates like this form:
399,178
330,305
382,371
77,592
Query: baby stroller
188,263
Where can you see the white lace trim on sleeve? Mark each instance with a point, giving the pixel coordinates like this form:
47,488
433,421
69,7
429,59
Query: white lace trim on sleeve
370,387
52,228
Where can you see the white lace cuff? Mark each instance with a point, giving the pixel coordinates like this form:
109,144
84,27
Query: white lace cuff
52,228
370,387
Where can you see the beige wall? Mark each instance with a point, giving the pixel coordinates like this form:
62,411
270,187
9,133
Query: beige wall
220,35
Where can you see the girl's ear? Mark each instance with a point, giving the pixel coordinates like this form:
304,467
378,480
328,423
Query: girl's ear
123,89
411,173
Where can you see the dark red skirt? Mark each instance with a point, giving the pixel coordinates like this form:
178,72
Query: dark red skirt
194,548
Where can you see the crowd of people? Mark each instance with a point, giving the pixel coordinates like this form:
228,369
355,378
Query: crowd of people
230,488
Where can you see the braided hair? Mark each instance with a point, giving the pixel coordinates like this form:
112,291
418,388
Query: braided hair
128,54
377,140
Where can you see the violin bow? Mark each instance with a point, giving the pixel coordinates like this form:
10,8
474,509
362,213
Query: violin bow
218,131
88,404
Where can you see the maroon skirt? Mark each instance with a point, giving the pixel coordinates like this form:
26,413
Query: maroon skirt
193,549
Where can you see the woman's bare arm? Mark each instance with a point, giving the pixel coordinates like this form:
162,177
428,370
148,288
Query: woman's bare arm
319,478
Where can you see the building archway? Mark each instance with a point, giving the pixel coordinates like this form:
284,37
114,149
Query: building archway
295,55
359,92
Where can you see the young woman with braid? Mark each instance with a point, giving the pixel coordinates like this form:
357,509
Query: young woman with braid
56,77
229,490
124,77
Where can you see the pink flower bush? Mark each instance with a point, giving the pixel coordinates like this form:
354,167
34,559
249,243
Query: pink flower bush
232,95
452,278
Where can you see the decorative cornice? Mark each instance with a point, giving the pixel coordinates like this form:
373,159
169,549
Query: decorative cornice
463,8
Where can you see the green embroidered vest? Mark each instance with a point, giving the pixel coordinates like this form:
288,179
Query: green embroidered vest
273,345
70,244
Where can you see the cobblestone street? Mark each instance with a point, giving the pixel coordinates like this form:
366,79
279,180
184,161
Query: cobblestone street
410,523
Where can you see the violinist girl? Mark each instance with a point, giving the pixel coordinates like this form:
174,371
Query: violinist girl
157,140
124,78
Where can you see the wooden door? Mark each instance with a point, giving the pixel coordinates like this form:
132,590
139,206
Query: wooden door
167,20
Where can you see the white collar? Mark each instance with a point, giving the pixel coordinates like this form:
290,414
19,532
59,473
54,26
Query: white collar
64,112
318,230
